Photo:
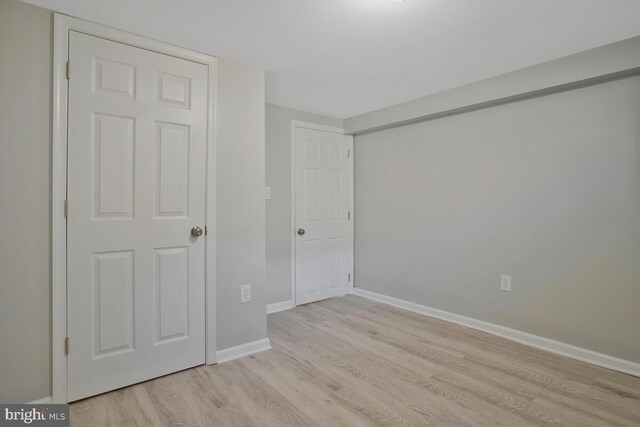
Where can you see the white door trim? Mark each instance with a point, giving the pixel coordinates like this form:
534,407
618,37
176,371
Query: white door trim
307,125
62,26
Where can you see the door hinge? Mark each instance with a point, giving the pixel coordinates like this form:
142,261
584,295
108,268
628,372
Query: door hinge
68,71
205,230
348,151
349,215
349,277
66,345
66,208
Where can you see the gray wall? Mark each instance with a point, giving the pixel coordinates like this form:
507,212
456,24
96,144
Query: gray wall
240,210
25,202
547,190
608,60
278,159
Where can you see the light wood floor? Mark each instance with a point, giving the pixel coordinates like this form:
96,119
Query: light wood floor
349,361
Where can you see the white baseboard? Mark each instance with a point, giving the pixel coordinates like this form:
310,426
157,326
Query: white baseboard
43,401
557,347
243,350
279,306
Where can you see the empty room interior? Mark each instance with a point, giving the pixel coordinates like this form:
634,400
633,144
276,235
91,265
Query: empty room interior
320,213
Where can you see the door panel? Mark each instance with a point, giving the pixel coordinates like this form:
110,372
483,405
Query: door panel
172,161
136,187
334,195
311,195
114,309
312,267
114,77
172,297
324,200
334,257
113,146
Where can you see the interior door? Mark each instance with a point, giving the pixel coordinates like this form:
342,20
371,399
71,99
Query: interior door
136,189
323,214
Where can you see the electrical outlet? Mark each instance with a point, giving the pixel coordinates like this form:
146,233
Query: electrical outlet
505,283
245,294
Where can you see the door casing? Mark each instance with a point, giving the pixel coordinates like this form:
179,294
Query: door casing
306,125
62,26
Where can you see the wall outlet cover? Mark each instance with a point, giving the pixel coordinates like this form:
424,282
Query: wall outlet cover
245,294
505,283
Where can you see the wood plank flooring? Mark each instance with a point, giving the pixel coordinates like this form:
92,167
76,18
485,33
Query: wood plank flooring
353,362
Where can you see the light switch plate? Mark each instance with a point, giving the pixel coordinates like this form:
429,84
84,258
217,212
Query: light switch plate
267,193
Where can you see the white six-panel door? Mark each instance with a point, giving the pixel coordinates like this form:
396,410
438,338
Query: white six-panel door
136,188
323,214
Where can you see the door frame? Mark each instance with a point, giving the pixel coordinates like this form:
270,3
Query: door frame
62,25
313,126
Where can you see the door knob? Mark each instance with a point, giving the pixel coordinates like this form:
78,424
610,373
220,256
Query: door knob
301,231
196,231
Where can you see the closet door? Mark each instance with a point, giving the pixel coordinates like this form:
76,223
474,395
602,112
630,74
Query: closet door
323,210
136,193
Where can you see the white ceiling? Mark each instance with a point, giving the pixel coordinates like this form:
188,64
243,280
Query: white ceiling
346,57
